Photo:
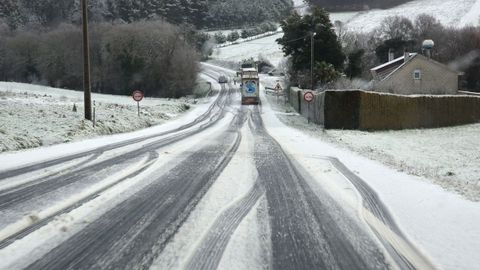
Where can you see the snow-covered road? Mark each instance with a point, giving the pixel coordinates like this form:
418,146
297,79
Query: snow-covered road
219,189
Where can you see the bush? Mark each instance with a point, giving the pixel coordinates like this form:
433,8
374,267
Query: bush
233,36
268,27
245,33
220,38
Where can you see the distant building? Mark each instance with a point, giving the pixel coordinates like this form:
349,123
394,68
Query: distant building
415,74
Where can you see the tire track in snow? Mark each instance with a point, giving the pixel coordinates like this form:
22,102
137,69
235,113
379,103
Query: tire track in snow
133,233
15,196
403,252
20,194
209,253
11,184
306,233
23,229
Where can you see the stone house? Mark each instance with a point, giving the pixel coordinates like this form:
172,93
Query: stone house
413,74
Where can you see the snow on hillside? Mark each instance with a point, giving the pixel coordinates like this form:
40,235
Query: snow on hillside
33,116
456,13
267,47
300,6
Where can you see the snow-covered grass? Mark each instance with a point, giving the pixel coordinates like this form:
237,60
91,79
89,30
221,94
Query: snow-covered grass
243,40
455,13
33,115
449,157
267,47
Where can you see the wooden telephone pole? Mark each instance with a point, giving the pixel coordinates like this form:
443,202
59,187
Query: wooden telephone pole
87,91
312,59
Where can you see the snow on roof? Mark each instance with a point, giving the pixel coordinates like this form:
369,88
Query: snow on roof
386,70
393,62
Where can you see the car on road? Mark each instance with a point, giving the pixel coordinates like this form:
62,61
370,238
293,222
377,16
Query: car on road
222,79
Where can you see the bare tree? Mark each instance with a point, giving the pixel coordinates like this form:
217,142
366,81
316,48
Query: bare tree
396,27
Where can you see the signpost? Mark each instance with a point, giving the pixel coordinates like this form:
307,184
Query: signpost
278,89
138,96
308,97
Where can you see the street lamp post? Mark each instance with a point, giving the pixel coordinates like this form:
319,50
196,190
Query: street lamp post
86,63
312,57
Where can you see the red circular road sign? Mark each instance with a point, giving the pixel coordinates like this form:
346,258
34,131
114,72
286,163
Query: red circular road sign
308,96
138,95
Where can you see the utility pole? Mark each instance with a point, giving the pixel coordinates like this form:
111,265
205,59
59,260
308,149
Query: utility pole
312,58
86,63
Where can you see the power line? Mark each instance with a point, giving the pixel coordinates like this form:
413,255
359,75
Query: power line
292,40
266,43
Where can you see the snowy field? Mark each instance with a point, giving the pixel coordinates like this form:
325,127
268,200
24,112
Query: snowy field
266,47
300,6
455,13
35,116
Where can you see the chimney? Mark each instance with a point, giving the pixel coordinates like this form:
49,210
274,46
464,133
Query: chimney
391,55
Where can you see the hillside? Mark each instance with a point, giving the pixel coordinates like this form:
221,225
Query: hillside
201,13
454,13
355,5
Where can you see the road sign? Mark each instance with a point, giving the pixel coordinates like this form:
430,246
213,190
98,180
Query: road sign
308,96
137,95
251,87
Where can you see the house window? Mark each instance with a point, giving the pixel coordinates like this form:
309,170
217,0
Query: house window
417,74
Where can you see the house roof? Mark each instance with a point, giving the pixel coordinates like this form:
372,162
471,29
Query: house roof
385,70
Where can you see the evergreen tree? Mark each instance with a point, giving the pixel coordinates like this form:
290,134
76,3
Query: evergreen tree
49,12
10,13
354,67
175,11
296,41
198,12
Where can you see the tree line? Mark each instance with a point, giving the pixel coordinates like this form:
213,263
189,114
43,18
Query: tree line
199,13
155,57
